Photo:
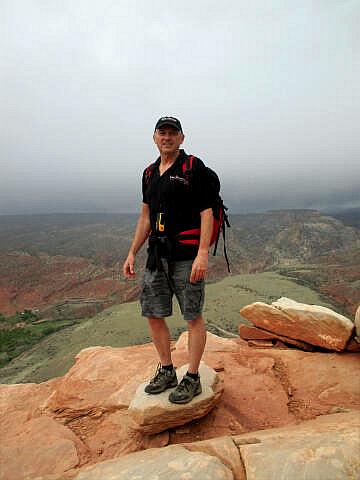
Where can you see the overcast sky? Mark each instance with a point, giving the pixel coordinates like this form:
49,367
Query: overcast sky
268,93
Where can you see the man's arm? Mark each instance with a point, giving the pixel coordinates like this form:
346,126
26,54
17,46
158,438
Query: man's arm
200,264
142,232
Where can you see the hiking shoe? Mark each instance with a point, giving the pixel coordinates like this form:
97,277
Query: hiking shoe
162,380
187,389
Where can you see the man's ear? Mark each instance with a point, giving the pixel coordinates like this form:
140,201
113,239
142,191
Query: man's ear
183,138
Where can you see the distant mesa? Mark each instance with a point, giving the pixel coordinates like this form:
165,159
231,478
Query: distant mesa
301,211
48,259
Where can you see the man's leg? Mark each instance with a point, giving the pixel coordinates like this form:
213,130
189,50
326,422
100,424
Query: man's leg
190,385
196,343
191,300
161,337
165,375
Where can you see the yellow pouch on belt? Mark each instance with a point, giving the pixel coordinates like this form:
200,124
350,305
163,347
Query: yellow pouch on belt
160,222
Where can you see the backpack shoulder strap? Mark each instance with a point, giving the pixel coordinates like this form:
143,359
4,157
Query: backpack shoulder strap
149,171
188,164
187,168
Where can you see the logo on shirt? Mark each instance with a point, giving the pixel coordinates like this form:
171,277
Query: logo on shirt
179,179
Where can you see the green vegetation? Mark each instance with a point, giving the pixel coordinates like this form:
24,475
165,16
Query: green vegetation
14,340
26,316
226,298
122,325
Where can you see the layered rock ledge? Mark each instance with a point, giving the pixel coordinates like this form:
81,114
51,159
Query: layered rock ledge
322,449
313,324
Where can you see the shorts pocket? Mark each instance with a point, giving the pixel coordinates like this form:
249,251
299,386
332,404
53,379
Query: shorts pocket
194,296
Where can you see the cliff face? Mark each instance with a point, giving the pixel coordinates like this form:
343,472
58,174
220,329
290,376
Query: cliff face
83,418
42,281
54,259
299,234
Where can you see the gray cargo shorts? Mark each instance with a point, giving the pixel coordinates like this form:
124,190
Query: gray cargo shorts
159,287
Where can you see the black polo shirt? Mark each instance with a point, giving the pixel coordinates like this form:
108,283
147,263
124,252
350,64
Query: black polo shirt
179,204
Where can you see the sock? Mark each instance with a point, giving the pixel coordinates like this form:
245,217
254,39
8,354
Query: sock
167,367
195,376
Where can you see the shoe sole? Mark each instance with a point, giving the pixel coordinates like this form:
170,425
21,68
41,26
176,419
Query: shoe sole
156,392
185,401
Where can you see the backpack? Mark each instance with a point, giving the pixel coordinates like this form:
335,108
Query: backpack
192,237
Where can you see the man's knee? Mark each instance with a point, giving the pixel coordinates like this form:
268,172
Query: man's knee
157,323
196,323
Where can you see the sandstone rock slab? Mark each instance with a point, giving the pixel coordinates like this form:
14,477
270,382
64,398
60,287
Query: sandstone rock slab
326,448
253,398
174,462
225,450
318,381
263,389
22,402
43,446
312,324
154,413
98,382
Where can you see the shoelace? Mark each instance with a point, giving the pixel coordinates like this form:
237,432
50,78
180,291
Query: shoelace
157,372
185,385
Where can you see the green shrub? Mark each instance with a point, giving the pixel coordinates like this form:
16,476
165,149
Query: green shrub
49,329
28,316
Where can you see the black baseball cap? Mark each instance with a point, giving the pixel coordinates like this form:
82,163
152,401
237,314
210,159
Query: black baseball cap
169,121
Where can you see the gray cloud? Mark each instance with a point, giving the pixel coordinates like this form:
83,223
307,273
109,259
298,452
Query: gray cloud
268,93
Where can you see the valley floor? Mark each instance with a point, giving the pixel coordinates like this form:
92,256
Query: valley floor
122,325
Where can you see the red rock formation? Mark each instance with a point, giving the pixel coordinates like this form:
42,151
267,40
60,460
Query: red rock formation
313,324
85,412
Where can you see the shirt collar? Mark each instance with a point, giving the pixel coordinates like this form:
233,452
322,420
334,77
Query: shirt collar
179,158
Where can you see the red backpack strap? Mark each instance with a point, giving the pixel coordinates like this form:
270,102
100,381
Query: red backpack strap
189,237
187,165
148,172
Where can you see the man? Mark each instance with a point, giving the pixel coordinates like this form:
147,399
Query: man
173,203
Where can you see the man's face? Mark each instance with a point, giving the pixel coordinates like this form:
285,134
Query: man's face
168,139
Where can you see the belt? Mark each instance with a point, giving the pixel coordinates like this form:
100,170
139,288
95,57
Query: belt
159,247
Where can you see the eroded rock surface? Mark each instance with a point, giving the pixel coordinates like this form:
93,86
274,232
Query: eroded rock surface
248,332
326,448
84,415
322,449
43,446
95,384
225,449
175,463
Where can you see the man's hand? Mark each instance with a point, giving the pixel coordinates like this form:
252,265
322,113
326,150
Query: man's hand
199,267
129,266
